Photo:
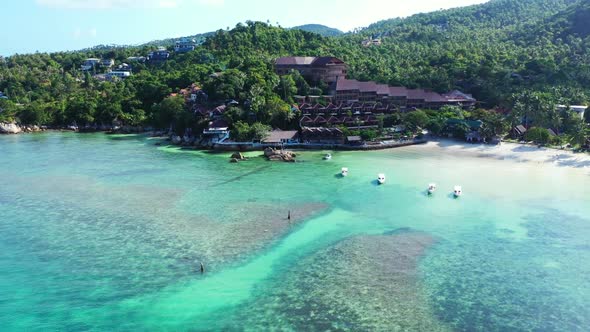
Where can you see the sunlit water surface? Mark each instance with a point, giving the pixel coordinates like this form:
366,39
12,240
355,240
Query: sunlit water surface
107,233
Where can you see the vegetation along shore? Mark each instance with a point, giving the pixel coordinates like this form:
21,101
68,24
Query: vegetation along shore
518,72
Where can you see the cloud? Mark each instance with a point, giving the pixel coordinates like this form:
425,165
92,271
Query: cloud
90,33
77,33
212,2
117,4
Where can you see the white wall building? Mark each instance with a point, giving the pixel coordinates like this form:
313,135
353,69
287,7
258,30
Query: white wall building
579,109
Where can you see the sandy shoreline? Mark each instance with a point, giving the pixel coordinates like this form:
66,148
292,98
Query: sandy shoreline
512,151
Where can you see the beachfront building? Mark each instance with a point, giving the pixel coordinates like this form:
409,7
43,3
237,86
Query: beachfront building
313,69
578,109
518,132
278,137
158,56
321,135
354,140
185,45
217,131
351,91
89,64
351,122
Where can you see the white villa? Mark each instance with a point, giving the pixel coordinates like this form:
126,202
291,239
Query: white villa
118,73
579,109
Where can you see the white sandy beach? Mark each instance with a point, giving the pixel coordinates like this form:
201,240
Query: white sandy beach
515,152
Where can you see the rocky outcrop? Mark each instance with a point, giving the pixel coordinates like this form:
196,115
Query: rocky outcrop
10,128
31,129
238,156
127,130
279,155
176,140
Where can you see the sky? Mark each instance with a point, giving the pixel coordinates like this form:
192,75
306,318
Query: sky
60,25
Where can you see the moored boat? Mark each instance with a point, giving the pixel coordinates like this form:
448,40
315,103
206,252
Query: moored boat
381,178
327,156
344,171
431,188
457,191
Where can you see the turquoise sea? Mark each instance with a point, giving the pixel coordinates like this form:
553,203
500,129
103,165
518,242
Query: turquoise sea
107,233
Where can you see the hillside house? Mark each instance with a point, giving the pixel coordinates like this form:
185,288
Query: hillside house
117,74
371,42
158,56
185,45
108,63
89,64
136,59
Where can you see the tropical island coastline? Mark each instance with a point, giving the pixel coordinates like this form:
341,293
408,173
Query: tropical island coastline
363,86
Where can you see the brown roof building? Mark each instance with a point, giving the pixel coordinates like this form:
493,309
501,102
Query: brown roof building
321,135
350,91
314,69
282,136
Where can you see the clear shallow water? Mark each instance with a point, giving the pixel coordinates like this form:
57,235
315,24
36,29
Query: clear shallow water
105,232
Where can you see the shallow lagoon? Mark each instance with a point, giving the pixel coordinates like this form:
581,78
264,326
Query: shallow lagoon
105,232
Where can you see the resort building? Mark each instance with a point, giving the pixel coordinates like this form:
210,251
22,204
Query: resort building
352,122
321,135
580,110
350,91
184,45
314,69
160,55
282,137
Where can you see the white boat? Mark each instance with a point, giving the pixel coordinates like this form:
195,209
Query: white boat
381,178
431,188
327,156
457,191
344,171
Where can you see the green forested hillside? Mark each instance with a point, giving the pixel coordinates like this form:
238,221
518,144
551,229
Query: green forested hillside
505,52
320,30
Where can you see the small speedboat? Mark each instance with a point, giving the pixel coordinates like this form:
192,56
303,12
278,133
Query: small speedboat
381,178
431,188
457,191
344,171
327,156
